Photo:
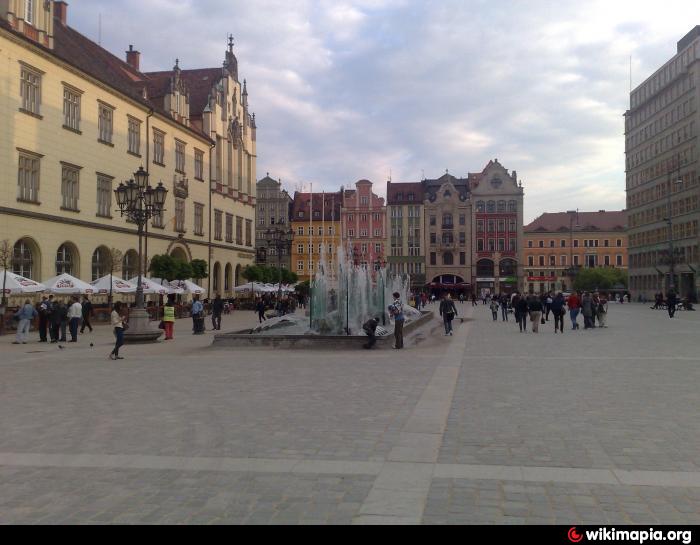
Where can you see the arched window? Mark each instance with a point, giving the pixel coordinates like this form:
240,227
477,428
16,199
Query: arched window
484,268
508,268
512,206
481,206
216,281
23,259
100,263
448,258
130,265
64,260
491,207
238,278
501,206
228,273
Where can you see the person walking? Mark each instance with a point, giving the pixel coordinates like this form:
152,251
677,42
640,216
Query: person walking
535,307
370,328
169,319
548,305
57,311
672,302
574,304
75,314
523,310
558,311
119,323
43,309
197,316
494,309
87,313
396,311
260,308
448,311
504,307
603,311
587,310
217,309
25,316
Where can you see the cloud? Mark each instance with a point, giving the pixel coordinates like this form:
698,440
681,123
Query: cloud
353,89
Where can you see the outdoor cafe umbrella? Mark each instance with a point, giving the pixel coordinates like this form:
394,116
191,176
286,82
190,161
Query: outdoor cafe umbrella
65,284
187,287
102,286
154,286
18,285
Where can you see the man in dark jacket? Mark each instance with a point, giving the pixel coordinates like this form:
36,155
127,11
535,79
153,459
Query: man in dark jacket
44,309
370,328
448,311
672,301
522,310
217,310
87,314
558,311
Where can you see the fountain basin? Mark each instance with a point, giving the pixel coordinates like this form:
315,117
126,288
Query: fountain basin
247,339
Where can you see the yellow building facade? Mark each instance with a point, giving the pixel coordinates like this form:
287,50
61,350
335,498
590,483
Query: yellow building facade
77,121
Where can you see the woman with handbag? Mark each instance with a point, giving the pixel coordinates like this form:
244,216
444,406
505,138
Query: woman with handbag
119,323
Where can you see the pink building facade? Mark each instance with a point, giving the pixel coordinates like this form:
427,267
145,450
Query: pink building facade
363,224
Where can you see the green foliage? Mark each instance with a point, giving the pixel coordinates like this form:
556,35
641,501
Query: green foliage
600,279
304,288
268,275
170,268
199,269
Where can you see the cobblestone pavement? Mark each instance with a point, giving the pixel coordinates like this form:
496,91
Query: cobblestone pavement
488,426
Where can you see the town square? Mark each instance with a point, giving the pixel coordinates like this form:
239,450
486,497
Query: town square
297,266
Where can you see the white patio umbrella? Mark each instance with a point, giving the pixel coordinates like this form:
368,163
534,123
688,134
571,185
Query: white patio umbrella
65,284
246,288
188,287
18,285
154,286
118,285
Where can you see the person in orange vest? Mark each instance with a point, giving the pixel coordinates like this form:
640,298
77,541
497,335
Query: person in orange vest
169,319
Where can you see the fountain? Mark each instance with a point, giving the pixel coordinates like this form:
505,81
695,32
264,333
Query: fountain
339,305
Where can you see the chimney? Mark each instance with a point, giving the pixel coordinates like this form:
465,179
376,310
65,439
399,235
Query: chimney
60,11
133,58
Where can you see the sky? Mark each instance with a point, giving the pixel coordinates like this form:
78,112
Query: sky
345,90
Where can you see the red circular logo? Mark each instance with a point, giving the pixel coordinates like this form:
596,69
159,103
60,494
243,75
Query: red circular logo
574,536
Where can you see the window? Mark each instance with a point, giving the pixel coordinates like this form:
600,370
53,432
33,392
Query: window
104,196
501,206
433,221
229,228
378,249
462,239
492,226
619,261
105,125
351,233
447,221
564,261
512,226
512,245
69,188
541,243
100,264
28,178
462,258
552,261
448,258
575,243
364,200
300,266
433,238
180,216
134,136
606,260
130,265
480,245
501,245
30,90
71,109
531,261
480,226
530,244
462,219
563,244
619,243
433,258
180,156
64,260
541,261
492,245
198,219
249,233
512,206
158,147
239,231
300,231
29,12
480,206
199,165
491,207
501,226
218,225
300,249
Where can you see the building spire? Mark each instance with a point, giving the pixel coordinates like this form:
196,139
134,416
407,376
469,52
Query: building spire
230,43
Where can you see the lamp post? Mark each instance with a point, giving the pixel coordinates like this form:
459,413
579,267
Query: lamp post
280,240
139,202
678,181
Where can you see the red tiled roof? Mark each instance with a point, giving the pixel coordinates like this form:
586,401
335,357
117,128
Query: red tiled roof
394,190
199,83
302,201
582,221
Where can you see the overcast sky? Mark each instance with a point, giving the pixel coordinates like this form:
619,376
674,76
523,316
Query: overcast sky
345,90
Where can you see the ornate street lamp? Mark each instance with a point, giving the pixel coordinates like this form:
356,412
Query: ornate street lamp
140,202
281,241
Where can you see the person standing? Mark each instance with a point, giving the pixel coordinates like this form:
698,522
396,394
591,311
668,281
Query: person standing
197,316
118,322
603,311
587,310
87,313
574,304
169,319
548,304
57,311
217,309
75,314
522,309
535,307
370,328
504,307
448,311
494,309
558,311
396,310
672,302
25,315
43,311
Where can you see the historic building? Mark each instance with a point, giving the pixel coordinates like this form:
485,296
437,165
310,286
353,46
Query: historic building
405,244
77,121
558,245
316,223
273,213
363,225
497,223
662,148
447,234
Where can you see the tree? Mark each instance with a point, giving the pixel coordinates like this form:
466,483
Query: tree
115,265
304,288
199,269
5,262
253,273
170,268
600,279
